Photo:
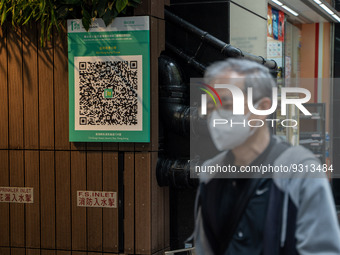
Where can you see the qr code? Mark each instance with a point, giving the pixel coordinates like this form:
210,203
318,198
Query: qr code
108,93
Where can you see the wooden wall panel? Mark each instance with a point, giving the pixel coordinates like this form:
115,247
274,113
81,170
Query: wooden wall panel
129,202
47,199
94,253
34,145
151,8
63,252
143,203
126,146
48,252
78,182
32,210
154,54
4,91
30,83
94,215
61,98
157,210
110,146
32,252
157,45
94,146
63,200
4,207
78,253
15,89
18,251
46,99
110,215
17,211
5,251
78,146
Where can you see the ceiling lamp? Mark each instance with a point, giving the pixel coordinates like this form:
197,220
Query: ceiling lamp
286,7
332,13
290,10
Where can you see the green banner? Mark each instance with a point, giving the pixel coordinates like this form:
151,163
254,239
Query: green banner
109,80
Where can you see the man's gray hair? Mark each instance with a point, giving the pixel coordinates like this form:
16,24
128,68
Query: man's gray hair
255,75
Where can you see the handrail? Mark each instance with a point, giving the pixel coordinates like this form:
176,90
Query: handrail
226,49
190,60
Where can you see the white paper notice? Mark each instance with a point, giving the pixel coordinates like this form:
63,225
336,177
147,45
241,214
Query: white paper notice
103,199
22,195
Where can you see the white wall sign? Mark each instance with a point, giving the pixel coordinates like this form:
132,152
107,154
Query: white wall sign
21,195
103,199
248,31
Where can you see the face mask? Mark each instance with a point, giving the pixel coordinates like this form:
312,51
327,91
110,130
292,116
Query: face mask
225,136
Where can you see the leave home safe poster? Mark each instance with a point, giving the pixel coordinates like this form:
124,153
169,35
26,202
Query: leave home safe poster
109,81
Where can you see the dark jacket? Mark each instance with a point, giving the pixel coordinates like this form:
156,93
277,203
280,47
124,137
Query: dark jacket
300,219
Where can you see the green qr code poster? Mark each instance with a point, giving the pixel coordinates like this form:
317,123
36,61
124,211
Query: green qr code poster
109,81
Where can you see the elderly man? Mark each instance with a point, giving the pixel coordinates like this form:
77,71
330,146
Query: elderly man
281,215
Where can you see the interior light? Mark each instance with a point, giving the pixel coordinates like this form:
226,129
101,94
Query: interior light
318,1
336,17
329,11
290,10
277,2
